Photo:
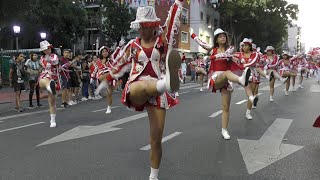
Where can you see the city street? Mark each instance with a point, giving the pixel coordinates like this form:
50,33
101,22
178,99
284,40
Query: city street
279,143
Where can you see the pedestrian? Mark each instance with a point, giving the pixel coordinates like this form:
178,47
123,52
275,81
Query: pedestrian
16,77
65,78
33,69
85,78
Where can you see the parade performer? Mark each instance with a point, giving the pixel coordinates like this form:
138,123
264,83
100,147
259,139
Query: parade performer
302,68
49,77
105,64
148,87
286,70
220,74
248,58
272,62
201,68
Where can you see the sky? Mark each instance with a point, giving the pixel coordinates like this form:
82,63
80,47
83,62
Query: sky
309,18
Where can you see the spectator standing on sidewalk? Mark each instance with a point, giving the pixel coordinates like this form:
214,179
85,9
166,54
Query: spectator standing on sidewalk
193,70
16,76
75,79
65,78
85,78
33,69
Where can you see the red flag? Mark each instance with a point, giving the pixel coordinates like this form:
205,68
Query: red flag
317,123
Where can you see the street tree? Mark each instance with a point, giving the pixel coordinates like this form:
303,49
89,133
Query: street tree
265,22
63,20
116,21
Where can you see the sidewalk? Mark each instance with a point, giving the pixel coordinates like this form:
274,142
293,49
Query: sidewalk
7,95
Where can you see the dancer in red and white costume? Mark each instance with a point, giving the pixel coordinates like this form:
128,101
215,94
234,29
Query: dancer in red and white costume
286,70
148,86
302,68
259,68
105,65
201,68
245,59
49,78
272,62
318,69
220,74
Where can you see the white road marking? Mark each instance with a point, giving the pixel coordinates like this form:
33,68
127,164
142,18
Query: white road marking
190,86
215,114
241,102
105,109
184,92
315,88
26,114
258,154
85,131
148,147
19,127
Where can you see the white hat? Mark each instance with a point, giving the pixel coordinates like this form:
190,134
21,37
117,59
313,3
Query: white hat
44,45
247,41
219,31
102,48
254,46
144,14
269,48
286,53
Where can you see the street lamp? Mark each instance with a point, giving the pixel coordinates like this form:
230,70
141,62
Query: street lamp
16,30
43,35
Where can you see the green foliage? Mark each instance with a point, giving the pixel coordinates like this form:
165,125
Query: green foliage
116,21
64,21
266,23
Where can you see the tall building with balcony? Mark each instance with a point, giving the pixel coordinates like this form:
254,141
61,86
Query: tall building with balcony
204,19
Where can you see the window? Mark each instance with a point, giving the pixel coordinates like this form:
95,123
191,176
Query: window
184,15
201,16
208,20
184,37
208,40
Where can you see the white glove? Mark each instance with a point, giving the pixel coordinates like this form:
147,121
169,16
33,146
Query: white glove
91,81
243,61
122,42
258,49
265,67
191,31
229,51
221,55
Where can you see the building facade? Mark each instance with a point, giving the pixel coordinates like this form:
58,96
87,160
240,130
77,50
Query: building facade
293,43
204,19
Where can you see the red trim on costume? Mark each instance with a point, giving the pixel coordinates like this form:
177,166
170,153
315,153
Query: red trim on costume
149,24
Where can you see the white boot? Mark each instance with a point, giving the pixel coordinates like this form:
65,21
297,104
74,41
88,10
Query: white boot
108,110
286,93
225,134
53,123
248,115
271,98
244,79
103,85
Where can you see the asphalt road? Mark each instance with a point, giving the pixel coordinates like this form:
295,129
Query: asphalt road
279,143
